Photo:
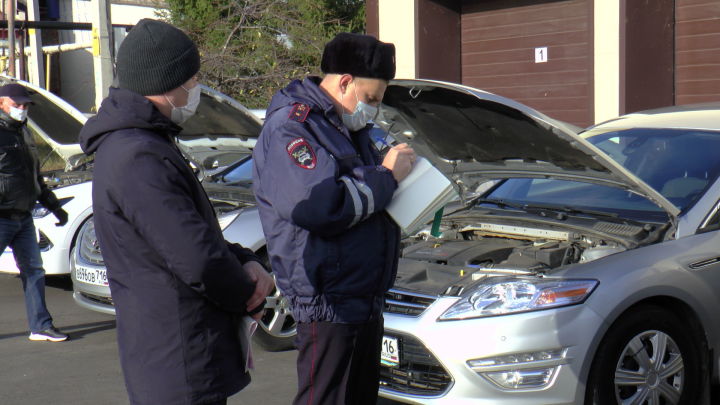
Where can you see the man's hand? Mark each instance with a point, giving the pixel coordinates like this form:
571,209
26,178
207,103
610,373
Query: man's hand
264,285
61,215
400,160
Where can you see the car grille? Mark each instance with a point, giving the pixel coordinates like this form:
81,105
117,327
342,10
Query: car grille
98,299
407,303
419,372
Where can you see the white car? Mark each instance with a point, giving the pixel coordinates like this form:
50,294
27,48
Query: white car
58,123
221,132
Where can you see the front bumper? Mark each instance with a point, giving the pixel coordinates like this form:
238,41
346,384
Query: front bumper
90,296
451,344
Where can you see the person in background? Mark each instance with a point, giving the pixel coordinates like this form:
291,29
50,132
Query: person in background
178,287
21,186
321,188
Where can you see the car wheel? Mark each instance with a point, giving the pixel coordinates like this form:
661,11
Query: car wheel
647,358
278,328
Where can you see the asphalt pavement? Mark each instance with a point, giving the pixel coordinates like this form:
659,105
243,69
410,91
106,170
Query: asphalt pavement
86,369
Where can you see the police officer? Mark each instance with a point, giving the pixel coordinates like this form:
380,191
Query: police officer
21,186
321,189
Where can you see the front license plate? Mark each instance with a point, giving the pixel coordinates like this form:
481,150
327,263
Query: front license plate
91,276
390,352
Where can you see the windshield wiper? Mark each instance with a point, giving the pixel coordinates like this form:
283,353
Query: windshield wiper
546,209
499,203
570,210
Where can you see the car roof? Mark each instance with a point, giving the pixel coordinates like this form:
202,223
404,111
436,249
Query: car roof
693,116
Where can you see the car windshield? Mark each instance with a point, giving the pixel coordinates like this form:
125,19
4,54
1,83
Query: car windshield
239,173
679,163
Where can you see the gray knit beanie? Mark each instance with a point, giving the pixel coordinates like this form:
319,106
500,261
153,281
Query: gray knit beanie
156,57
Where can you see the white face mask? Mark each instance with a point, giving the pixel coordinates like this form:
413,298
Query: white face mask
179,115
18,114
363,114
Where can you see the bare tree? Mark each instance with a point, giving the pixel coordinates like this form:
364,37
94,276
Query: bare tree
252,48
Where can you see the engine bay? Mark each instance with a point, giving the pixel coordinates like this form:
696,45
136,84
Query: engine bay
469,251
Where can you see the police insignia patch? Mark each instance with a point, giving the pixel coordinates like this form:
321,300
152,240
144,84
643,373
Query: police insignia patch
302,153
299,112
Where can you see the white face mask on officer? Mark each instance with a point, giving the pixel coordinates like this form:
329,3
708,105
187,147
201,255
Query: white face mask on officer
363,114
18,114
179,115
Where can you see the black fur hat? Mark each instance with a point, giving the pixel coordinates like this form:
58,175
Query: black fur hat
359,55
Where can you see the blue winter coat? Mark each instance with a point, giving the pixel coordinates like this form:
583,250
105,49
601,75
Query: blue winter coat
178,288
321,193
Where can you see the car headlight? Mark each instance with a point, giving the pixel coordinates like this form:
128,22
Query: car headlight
88,246
504,296
226,218
41,212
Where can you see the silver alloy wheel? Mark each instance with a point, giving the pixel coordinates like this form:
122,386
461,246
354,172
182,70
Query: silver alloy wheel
277,320
650,371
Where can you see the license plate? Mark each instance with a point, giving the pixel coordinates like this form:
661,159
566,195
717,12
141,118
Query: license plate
389,352
91,276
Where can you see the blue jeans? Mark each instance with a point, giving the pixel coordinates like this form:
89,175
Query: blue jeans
20,235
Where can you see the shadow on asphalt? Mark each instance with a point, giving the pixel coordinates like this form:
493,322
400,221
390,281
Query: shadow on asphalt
61,282
76,332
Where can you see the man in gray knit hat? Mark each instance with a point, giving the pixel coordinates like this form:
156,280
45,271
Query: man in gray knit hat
178,286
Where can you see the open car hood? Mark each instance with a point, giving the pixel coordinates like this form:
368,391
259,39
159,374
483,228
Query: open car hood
53,119
473,136
222,130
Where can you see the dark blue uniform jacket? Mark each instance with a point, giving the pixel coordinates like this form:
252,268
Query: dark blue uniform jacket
321,192
177,286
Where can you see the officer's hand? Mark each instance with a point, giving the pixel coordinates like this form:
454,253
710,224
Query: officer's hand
61,215
400,160
264,285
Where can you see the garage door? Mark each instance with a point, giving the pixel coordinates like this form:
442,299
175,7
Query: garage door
538,52
697,47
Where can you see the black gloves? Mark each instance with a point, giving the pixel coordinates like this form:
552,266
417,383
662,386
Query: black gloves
61,215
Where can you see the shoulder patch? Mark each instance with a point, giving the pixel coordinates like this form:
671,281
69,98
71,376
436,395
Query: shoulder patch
299,112
301,153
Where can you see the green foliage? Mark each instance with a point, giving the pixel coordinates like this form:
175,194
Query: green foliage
252,48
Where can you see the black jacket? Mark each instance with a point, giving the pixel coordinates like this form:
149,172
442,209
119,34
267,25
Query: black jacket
322,193
21,184
177,286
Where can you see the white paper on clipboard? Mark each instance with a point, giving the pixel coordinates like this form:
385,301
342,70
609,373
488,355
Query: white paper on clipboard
246,329
424,191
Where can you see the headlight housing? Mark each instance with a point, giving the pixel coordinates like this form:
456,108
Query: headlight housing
41,212
88,246
503,296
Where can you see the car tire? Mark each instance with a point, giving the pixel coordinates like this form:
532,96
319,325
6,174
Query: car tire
277,327
648,352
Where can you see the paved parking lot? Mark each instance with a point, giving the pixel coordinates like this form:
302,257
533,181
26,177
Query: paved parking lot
85,369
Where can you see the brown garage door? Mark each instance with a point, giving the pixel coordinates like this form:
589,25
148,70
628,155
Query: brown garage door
697,47
500,40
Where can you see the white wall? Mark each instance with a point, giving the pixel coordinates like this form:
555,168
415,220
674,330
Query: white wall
77,73
607,59
397,25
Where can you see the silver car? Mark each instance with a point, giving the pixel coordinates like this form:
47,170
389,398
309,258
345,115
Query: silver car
580,268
